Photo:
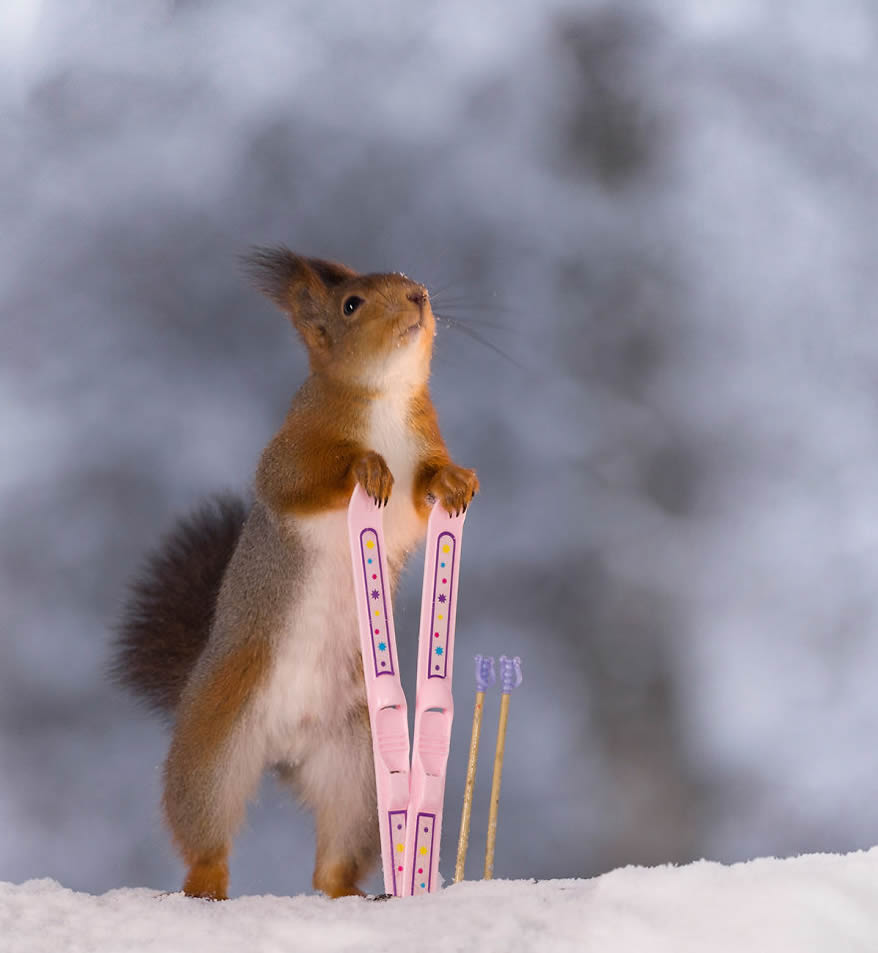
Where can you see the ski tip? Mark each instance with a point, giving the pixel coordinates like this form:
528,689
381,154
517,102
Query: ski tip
441,518
485,674
361,501
510,673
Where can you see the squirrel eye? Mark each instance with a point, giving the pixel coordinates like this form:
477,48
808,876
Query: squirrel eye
351,304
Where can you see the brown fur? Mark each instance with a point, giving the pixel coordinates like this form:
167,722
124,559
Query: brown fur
367,337
204,727
207,716
309,465
208,875
339,879
437,477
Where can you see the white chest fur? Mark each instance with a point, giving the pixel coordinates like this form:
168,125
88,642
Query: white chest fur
390,435
316,678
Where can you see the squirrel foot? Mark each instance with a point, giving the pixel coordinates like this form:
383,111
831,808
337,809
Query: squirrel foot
208,876
454,487
374,476
337,880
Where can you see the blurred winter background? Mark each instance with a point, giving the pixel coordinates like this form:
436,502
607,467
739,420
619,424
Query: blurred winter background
664,212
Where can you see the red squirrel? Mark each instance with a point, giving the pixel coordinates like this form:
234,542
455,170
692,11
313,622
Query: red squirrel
243,626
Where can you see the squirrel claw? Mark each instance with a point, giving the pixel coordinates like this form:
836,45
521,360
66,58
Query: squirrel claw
374,476
454,487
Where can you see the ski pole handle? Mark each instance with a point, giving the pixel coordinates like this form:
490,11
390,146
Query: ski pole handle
485,674
510,673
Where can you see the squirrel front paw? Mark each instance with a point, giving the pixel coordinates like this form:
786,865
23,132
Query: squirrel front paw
454,487
374,476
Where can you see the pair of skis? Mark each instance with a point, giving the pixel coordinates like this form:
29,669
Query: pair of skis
410,795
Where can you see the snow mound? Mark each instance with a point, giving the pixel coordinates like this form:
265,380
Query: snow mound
820,902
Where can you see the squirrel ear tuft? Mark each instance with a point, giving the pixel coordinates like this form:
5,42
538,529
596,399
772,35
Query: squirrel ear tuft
331,273
292,281
272,269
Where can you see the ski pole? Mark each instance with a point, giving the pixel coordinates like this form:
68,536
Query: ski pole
484,677
510,677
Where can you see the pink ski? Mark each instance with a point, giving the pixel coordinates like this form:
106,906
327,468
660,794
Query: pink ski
409,801
434,707
387,707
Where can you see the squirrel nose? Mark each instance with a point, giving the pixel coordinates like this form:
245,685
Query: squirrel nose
418,297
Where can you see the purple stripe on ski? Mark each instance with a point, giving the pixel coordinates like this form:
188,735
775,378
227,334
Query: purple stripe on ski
386,669
443,590
425,865
396,823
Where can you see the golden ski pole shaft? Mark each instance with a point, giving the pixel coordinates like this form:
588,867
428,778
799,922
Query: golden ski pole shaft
510,677
466,814
495,787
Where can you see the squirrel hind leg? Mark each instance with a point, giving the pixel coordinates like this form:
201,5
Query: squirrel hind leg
213,766
208,875
337,782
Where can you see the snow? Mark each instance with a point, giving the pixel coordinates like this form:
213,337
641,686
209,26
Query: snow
817,902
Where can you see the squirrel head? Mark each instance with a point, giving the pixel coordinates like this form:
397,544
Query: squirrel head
369,330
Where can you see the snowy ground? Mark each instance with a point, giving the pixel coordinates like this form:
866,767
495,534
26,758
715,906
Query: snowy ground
820,902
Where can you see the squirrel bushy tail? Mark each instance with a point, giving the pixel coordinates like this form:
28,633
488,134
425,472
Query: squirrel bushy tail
166,621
